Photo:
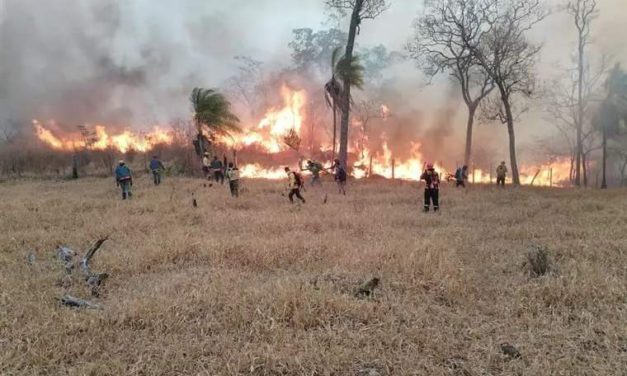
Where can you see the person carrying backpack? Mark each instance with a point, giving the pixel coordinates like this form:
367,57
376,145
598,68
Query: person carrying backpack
315,168
340,176
232,175
461,176
157,168
124,180
432,188
295,183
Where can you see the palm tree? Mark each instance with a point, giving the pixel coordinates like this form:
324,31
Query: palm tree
613,109
212,113
349,71
332,94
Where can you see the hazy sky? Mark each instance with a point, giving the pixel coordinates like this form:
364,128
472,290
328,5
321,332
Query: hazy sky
135,60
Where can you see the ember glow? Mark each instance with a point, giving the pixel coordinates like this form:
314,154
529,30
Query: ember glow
101,139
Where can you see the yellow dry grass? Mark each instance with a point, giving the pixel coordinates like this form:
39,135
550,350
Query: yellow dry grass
256,286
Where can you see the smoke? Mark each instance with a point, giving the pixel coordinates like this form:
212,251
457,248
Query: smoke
134,63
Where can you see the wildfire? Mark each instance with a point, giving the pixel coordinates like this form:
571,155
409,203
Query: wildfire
269,137
101,139
277,122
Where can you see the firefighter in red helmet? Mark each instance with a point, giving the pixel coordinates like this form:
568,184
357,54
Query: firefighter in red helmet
432,188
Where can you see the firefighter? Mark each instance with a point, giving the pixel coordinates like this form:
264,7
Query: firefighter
123,179
340,176
432,188
294,185
206,165
218,170
461,176
157,168
315,168
501,173
232,175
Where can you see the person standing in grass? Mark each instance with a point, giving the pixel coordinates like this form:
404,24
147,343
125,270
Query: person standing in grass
232,175
340,176
206,165
124,180
501,173
157,168
294,185
218,170
432,188
461,176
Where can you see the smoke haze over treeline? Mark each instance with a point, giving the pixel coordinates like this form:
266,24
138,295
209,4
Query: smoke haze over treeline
134,62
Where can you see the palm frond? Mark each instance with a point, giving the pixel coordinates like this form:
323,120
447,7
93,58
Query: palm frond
212,111
351,71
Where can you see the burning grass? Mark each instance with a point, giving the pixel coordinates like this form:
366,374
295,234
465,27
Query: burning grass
258,286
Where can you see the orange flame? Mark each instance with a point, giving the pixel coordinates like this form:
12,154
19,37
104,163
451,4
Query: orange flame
276,123
100,139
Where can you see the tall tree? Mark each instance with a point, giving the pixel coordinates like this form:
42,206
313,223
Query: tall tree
359,10
312,50
612,112
333,95
583,13
563,106
212,113
501,48
438,46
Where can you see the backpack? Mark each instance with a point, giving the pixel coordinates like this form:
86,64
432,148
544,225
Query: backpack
459,175
298,179
340,174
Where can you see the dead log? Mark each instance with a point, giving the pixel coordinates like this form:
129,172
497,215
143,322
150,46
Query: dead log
66,254
73,302
90,253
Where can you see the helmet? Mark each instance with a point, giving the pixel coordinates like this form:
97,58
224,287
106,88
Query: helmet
121,161
429,166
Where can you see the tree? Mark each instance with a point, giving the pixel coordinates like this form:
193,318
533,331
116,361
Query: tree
583,13
360,10
333,95
612,112
438,46
245,83
563,105
312,50
348,71
501,48
212,113
366,111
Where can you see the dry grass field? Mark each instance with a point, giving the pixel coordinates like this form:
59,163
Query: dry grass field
255,286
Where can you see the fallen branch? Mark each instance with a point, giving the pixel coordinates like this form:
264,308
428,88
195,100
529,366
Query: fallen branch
90,253
66,254
71,301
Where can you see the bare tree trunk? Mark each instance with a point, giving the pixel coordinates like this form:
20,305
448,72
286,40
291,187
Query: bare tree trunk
469,126
584,169
512,140
580,113
346,94
334,130
603,180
